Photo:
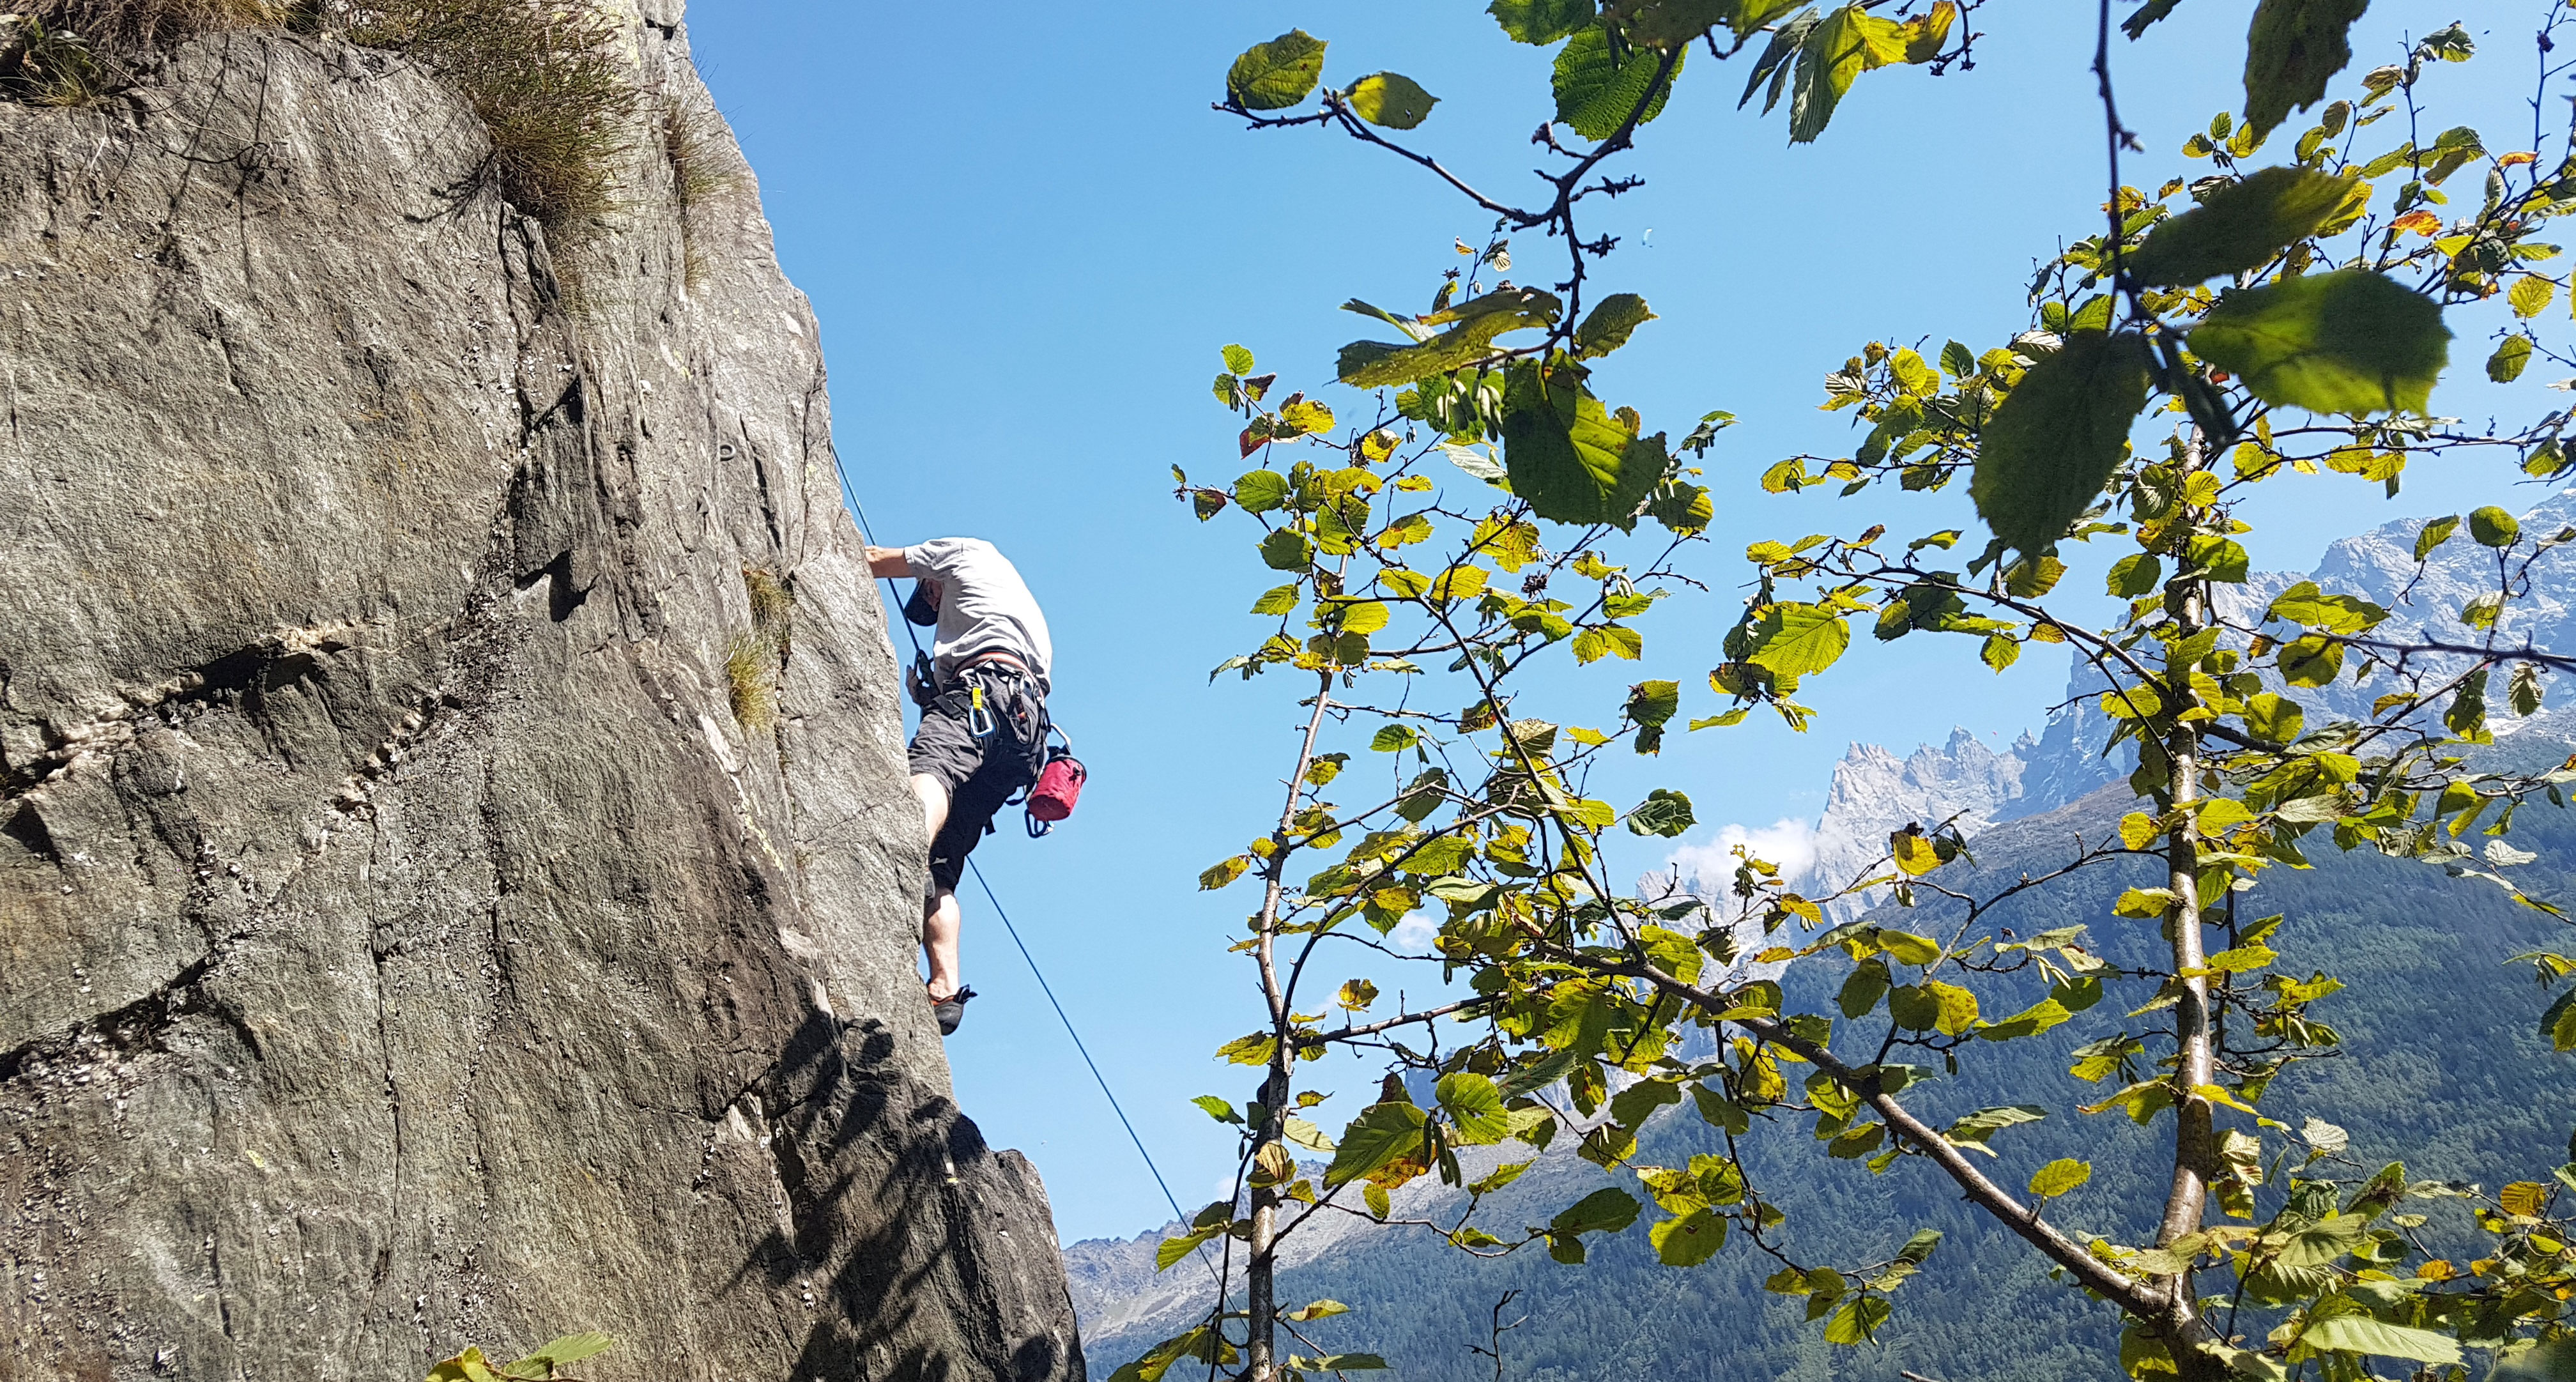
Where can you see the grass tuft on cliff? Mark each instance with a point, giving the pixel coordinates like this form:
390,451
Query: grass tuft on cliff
693,144
545,79
773,606
751,680
79,52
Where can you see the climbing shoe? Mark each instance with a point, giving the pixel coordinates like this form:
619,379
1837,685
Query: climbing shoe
951,1010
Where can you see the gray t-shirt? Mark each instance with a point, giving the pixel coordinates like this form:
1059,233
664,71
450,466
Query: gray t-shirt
984,606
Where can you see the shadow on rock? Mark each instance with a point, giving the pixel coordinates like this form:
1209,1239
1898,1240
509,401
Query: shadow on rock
922,1237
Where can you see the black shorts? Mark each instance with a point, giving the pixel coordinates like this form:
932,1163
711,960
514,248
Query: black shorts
981,774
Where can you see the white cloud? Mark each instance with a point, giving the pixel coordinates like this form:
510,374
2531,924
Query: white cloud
1412,936
1788,842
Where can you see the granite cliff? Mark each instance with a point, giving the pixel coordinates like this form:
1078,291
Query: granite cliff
456,878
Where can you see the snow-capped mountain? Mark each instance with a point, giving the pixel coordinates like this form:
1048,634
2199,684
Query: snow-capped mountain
1875,792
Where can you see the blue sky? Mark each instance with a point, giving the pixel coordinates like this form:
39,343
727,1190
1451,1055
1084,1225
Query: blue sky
1026,236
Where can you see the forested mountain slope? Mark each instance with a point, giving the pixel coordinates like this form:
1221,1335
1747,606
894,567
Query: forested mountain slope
2450,1066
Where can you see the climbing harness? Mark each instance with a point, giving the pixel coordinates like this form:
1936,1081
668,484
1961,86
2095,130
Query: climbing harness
921,662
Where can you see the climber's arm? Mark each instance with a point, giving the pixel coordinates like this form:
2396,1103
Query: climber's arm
888,562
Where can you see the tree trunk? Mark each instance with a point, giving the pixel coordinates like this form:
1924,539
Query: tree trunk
2195,1063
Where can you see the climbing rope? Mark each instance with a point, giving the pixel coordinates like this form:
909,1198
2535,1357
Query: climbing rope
1077,1039
867,531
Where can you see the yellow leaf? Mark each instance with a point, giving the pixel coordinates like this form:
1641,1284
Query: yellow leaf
1220,874
2059,1177
1958,1007
2144,903
1914,853
2523,1198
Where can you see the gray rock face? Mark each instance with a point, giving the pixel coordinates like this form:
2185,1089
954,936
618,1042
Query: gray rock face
404,941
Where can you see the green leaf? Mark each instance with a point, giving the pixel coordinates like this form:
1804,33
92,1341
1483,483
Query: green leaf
2511,355
1608,640
1172,1250
1653,702
1540,21
2306,605
1846,43
1689,1240
2059,1177
1596,89
1319,1310
1999,651
1260,491
2436,532
1662,813
2219,558
1602,1211
1382,1133
2314,660
1568,456
2321,1242
1390,99
2350,341
1958,1007
2292,48
1394,739
2558,1022
1377,364
2277,719
1357,616
2493,527
1667,23
1275,76
469,1366
569,1348
1218,1109
2059,434
1861,992
1977,1128
2530,296
1607,326
1906,948
2134,576
2241,226
1858,1322
1796,639
1238,360
2362,1334
1224,872
1286,550
1475,1106
1248,1050
1276,600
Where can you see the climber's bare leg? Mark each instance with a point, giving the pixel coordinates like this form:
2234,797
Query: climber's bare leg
940,923
934,802
939,920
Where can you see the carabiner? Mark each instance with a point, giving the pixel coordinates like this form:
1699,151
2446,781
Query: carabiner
979,719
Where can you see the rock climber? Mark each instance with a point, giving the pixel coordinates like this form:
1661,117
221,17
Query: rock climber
983,719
